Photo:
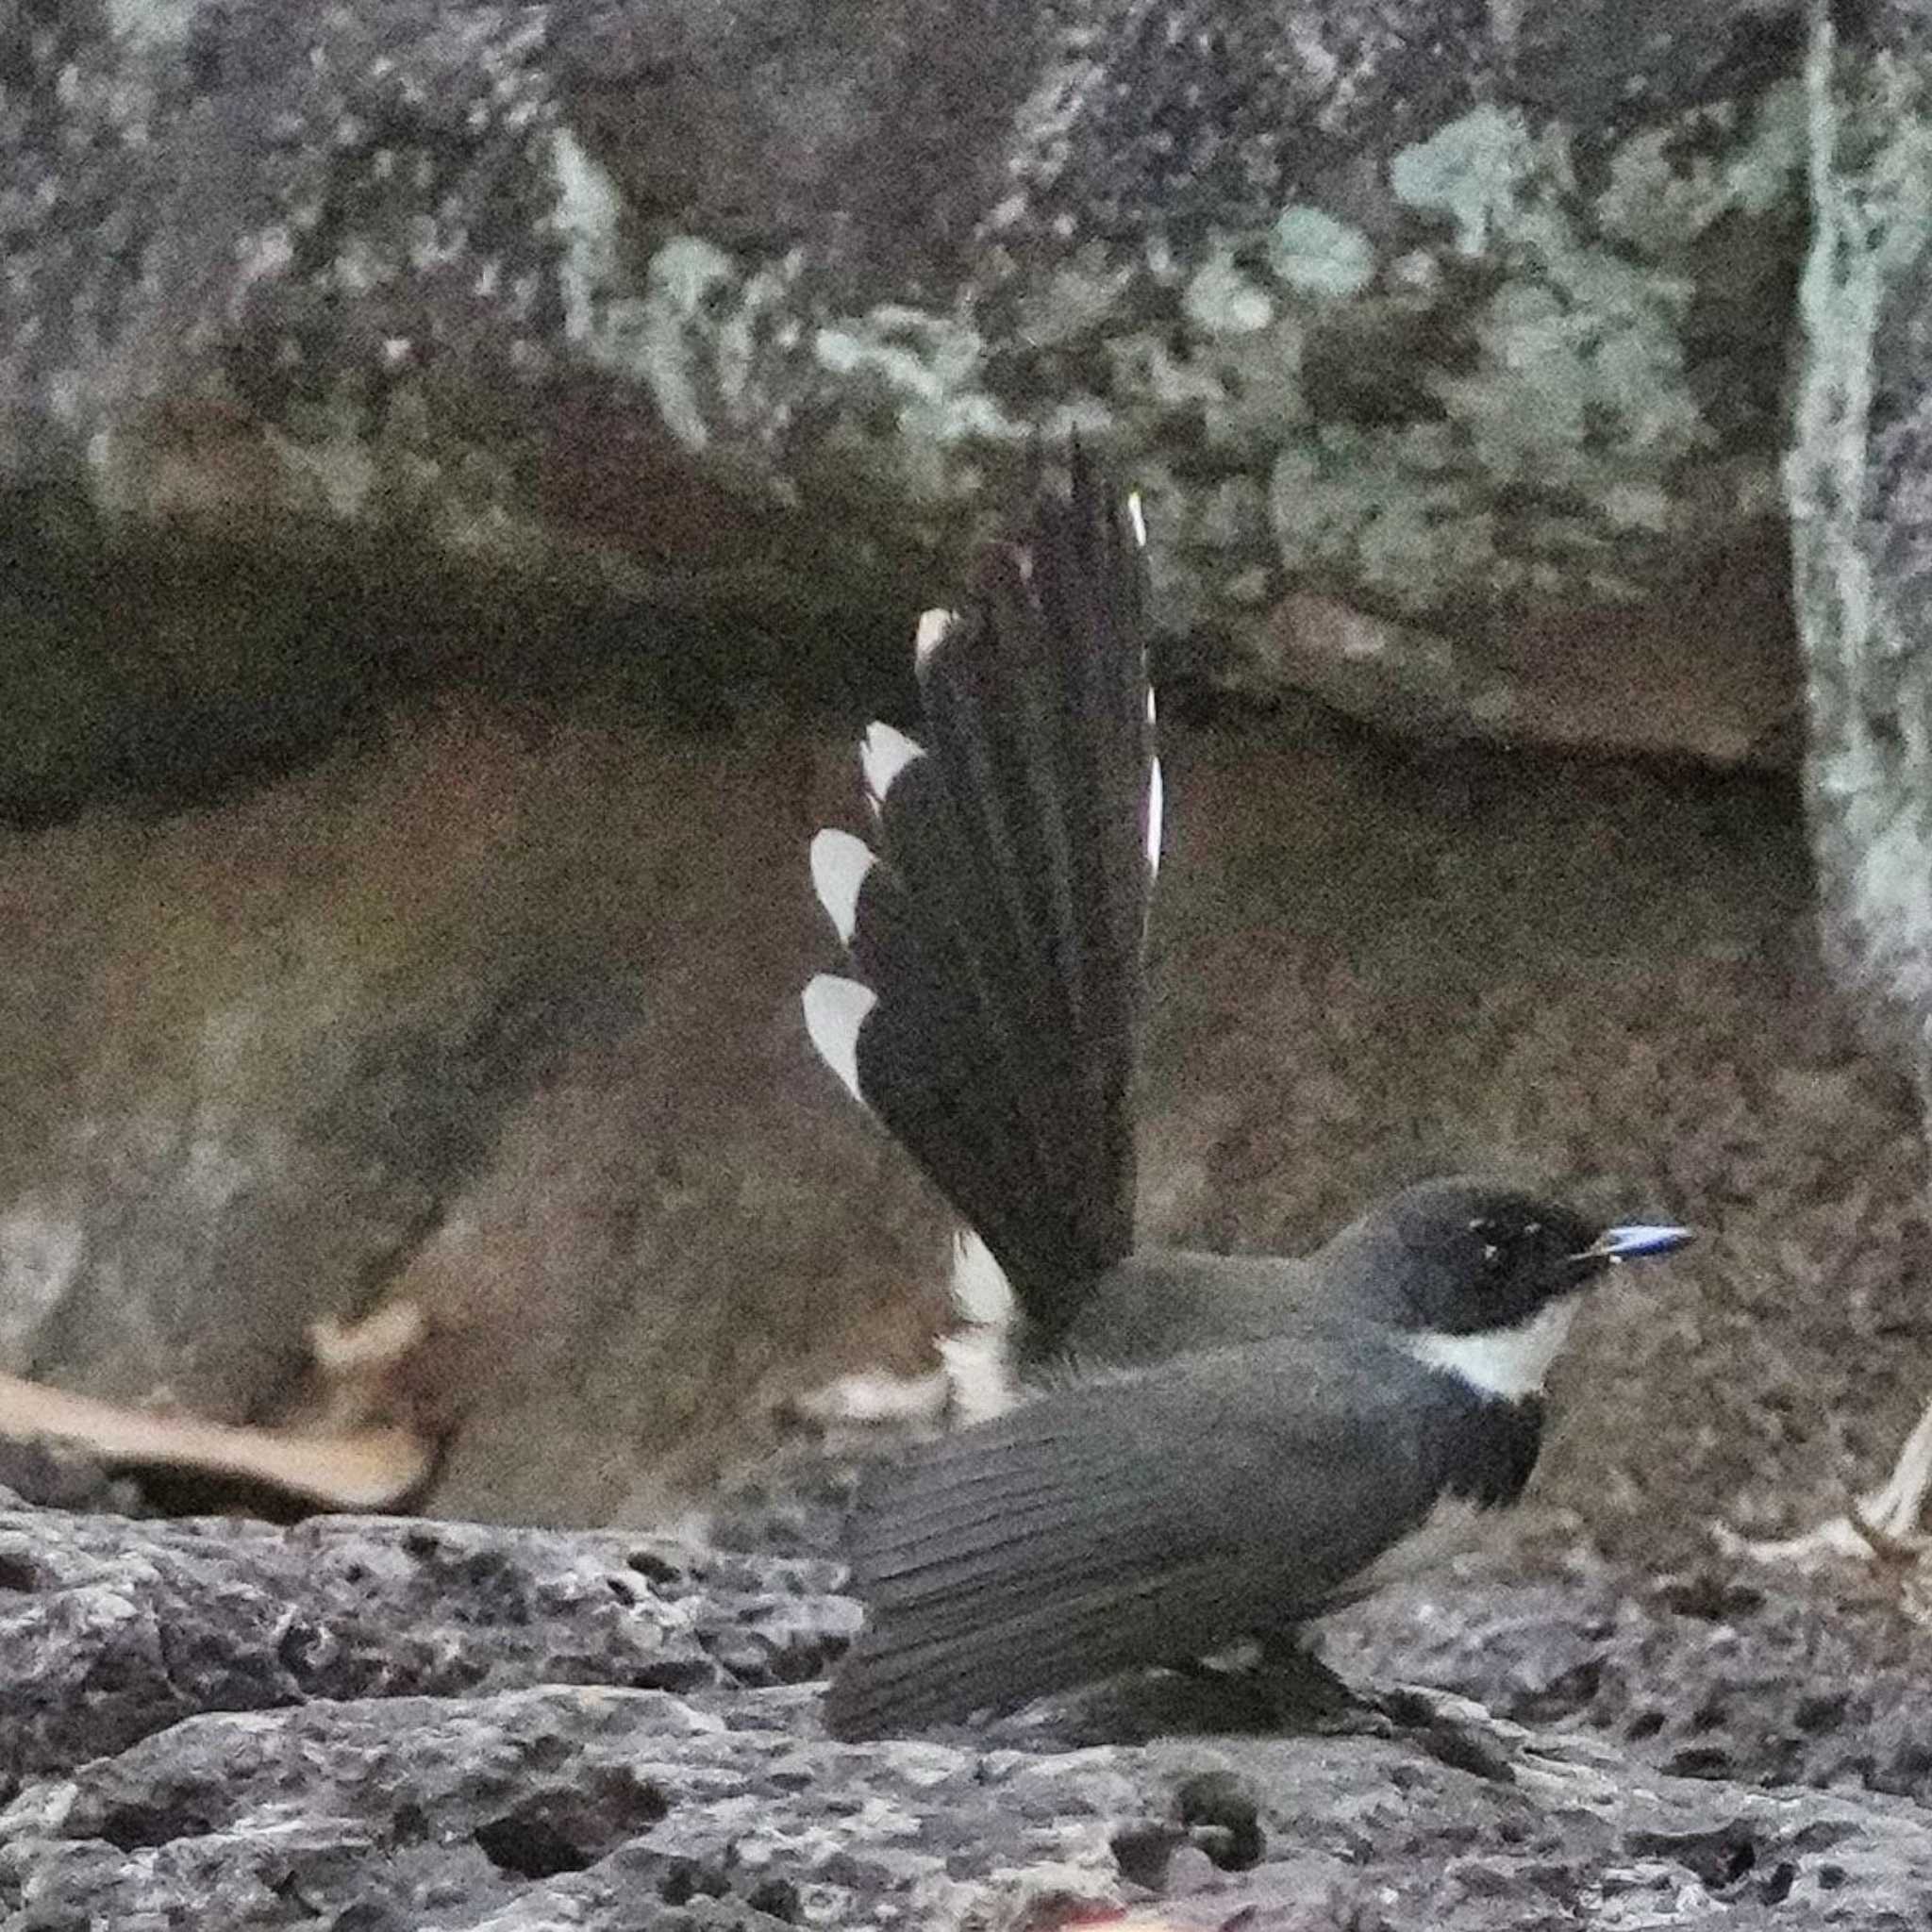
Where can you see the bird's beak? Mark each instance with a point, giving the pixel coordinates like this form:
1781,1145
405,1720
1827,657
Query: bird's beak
1638,1237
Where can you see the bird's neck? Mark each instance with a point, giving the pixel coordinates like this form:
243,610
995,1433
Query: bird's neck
1490,1459
1500,1364
1488,1446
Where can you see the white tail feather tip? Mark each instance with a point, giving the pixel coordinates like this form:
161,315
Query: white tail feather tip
981,1292
884,753
1154,810
839,862
932,628
1137,518
835,1009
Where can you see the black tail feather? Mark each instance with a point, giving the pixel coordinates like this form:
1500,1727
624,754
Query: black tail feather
1000,927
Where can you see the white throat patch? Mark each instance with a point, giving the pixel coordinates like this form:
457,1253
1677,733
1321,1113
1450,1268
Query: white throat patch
1509,1364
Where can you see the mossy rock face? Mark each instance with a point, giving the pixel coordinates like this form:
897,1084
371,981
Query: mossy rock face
1861,481
1459,317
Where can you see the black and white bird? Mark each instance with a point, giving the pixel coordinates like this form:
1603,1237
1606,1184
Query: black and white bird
1199,1448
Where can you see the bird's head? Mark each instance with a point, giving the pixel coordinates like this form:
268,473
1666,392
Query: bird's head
1483,1278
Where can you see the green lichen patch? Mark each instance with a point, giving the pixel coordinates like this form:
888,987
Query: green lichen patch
1478,171
1315,254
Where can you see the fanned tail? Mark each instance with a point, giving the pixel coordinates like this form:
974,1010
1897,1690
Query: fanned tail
997,931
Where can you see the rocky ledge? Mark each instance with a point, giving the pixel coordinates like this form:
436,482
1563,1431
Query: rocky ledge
364,1723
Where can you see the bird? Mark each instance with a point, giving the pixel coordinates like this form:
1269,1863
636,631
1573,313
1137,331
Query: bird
1181,1451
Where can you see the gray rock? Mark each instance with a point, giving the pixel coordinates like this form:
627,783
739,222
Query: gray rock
1471,317
1861,500
490,1735
111,1631
1712,1672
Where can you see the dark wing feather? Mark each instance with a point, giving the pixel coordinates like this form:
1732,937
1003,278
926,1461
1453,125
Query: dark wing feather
1138,1520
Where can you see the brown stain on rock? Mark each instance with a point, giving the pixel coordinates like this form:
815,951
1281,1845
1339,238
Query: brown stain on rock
499,1015
1707,667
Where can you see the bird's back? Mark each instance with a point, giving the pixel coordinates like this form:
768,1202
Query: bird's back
1163,1302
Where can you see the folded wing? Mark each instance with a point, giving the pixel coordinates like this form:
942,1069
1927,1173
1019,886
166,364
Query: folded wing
1140,1519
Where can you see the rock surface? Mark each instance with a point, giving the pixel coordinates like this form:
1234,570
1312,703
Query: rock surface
371,1723
1861,498
1470,316
1861,488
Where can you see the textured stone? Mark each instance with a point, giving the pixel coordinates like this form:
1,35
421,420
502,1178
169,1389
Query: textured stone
110,1632
1859,479
1718,1671
1861,498
482,1755
1469,315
